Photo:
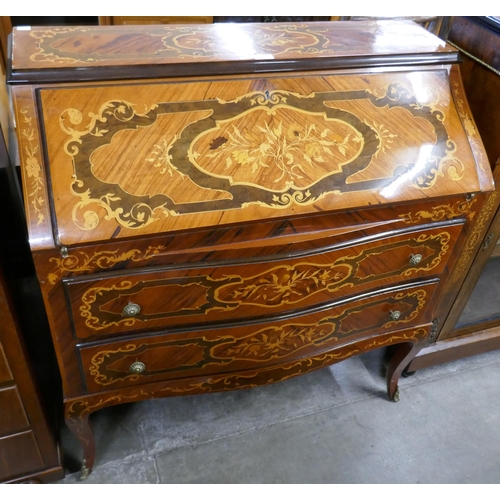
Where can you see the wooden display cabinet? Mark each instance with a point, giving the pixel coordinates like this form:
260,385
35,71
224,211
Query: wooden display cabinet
126,20
473,325
29,451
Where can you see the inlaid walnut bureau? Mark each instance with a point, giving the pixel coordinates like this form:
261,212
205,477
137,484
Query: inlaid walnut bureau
220,207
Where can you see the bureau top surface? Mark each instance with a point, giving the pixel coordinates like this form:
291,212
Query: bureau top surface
111,52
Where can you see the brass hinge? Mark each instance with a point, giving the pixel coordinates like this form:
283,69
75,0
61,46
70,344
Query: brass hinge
487,241
64,252
433,332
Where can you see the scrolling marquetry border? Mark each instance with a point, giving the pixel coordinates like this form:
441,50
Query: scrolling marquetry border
468,123
82,261
30,152
442,212
467,252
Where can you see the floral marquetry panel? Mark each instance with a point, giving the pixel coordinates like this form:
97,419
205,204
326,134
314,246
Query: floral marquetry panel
128,161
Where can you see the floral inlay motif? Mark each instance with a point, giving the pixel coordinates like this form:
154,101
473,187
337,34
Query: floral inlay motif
276,342
284,147
384,135
161,158
32,165
287,284
469,126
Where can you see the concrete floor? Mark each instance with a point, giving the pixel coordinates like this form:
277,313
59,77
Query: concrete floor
332,426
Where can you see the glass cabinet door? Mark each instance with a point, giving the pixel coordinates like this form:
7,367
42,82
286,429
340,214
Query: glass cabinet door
483,307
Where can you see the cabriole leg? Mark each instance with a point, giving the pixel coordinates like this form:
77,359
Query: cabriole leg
403,354
80,426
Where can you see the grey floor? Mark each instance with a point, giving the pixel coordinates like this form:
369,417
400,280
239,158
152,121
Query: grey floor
332,426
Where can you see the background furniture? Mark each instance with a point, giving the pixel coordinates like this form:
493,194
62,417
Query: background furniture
29,394
473,325
123,20
5,107
439,25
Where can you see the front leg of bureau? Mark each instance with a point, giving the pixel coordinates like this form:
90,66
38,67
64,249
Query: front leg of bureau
402,356
78,423
406,343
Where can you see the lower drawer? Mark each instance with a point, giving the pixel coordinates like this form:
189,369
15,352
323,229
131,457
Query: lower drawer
188,353
5,374
19,455
13,417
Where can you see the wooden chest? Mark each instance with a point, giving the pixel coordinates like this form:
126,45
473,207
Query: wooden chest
218,207
29,449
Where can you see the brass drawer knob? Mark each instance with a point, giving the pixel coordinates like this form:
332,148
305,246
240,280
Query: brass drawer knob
131,309
415,259
395,315
137,367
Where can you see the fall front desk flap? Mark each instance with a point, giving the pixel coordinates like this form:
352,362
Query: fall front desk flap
147,157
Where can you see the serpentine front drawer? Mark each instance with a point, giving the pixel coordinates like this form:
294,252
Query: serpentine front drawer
150,300
224,349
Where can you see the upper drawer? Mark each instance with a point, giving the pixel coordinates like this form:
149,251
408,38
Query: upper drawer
148,158
5,374
13,417
139,301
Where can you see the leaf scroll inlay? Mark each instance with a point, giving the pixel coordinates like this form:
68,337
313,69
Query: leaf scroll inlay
32,165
